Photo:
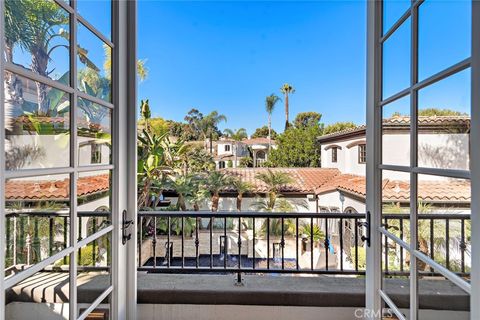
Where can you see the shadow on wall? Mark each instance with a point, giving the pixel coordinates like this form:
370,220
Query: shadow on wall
451,154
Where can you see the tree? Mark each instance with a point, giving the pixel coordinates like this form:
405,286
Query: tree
184,186
270,103
287,89
216,182
241,188
205,127
296,148
338,126
262,132
274,181
307,119
237,135
198,160
157,125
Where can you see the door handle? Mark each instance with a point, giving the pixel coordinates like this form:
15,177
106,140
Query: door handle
366,224
125,225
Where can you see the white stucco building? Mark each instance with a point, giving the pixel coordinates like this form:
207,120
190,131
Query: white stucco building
227,151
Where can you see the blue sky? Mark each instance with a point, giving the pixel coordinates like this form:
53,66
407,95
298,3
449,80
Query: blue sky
228,56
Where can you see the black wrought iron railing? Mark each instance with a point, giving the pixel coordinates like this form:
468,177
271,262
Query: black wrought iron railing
184,242
293,243
33,236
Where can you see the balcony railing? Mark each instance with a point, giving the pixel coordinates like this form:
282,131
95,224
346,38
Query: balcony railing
294,243
247,242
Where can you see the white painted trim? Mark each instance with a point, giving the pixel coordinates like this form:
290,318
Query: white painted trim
392,305
373,173
96,303
475,163
2,165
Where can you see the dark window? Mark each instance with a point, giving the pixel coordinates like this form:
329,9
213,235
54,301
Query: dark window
334,154
362,153
221,165
96,153
227,147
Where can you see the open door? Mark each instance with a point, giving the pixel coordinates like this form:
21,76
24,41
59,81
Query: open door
65,97
420,230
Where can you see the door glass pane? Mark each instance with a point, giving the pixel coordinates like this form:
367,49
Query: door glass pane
438,297
98,13
45,295
37,38
392,11
37,219
94,200
444,123
94,63
94,269
396,132
94,128
446,237
37,125
396,61
396,274
443,27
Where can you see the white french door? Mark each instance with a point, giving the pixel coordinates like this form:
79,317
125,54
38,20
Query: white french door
423,55
68,84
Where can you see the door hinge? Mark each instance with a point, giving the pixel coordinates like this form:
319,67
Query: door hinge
125,225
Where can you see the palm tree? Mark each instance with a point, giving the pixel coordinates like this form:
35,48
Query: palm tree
270,103
207,125
274,181
216,182
287,89
184,186
241,188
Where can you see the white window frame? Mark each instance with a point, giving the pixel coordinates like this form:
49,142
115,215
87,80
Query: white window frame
123,193
374,167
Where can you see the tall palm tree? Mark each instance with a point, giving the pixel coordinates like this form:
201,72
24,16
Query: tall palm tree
241,188
287,89
270,103
216,182
274,181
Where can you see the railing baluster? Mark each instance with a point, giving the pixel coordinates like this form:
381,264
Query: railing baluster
268,243
65,237
326,244
94,258
401,248
341,244
211,242
80,237
253,245
432,242
239,242
282,243
356,243
296,243
168,248
462,244
311,243
8,237
197,244
183,242
225,243
140,241
447,244
386,247
154,242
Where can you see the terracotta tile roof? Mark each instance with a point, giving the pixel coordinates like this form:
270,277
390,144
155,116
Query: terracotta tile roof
257,141
306,180
403,121
54,189
398,190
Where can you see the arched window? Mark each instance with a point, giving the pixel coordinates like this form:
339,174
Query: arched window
260,158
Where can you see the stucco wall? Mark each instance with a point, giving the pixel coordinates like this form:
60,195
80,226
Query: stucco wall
230,204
